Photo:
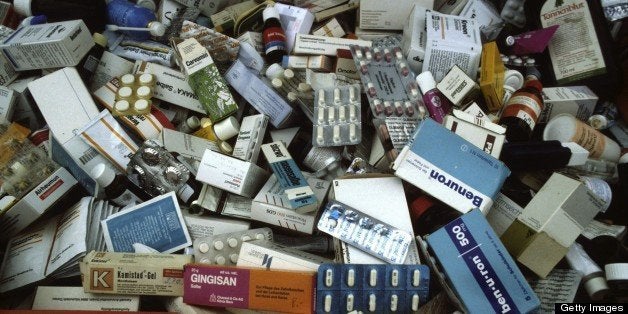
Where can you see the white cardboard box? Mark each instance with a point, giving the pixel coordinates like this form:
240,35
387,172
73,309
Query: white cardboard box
323,45
7,103
64,44
578,101
483,134
250,138
272,207
207,226
32,205
231,174
269,255
377,14
414,38
75,299
382,198
294,20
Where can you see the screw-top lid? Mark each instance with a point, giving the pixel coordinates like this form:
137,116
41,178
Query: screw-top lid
270,12
100,39
23,7
103,175
227,128
597,287
513,78
426,81
156,29
274,71
193,122
226,148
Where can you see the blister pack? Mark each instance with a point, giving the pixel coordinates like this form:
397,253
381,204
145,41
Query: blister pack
338,117
388,81
224,249
365,232
156,170
371,288
134,95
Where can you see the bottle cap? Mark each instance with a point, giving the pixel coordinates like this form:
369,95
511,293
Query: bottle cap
156,29
596,287
226,148
270,12
579,155
23,7
513,78
100,39
616,271
193,122
149,4
277,83
426,81
274,71
227,128
103,175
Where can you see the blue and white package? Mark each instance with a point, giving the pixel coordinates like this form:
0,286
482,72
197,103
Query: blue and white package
371,288
157,223
450,168
480,270
298,191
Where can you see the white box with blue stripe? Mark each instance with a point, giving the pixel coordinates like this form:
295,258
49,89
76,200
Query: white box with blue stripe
479,269
450,168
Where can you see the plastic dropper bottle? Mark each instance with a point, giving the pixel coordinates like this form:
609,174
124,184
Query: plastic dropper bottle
273,36
523,109
437,105
118,188
133,20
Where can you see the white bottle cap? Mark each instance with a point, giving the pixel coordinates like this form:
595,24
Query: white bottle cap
579,155
270,12
103,175
514,79
226,148
227,128
623,159
596,287
23,7
616,271
274,71
156,29
426,81
193,122
99,39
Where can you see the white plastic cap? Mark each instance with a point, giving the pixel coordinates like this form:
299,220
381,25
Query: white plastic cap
514,79
103,175
270,12
156,29
623,159
616,271
596,287
99,39
226,148
227,128
426,81
23,7
193,122
274,71
579,155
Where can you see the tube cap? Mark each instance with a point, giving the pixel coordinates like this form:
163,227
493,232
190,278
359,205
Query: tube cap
156,29
23,7
274,71
426,81
270,12
513,78
103,175
226,148
596,287
227,128
193,122
579,155
100,39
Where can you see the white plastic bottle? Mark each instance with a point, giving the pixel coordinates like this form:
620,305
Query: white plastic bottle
566,128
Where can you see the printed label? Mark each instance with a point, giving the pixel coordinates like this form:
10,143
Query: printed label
525,106
126,198
274,39
589,138
574,49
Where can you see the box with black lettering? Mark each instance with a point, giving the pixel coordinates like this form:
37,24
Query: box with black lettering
479,269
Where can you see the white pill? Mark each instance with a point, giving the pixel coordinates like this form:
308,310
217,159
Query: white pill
331,114
203,247
260,236
234,258
394,299
219,245
352,133
121,105
372,302
327,303
351,278
342,117
143,92
141,104
352,113
246,238
220,260
373,278
416,278
352,94
336,133
350,300
337,95
232,242
127,79
321,115
146,79
321,97
415,302
320,135
329,277
125,92
277,83
394,278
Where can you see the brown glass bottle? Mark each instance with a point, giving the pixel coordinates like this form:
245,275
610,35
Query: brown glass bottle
273,36
581,52
522,110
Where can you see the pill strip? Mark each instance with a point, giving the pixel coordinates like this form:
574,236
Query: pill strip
157,170
365,232
371,288
388,81
338,119
134,95
223,249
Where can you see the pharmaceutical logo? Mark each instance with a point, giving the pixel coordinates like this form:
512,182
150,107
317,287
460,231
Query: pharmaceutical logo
266,261
101,279
277,150
197,59
76,33
476,200
48,188
214,280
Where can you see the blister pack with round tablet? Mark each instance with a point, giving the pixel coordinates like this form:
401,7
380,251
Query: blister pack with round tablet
223,249
157,170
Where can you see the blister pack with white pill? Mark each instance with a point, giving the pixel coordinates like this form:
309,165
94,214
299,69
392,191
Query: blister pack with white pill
371,288
338,118
388,81
365,232
223,249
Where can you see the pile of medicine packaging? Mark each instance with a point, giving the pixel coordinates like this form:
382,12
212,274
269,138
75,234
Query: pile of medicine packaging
298,156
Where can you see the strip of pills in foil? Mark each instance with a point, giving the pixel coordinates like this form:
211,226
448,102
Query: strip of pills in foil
338,117
223,249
